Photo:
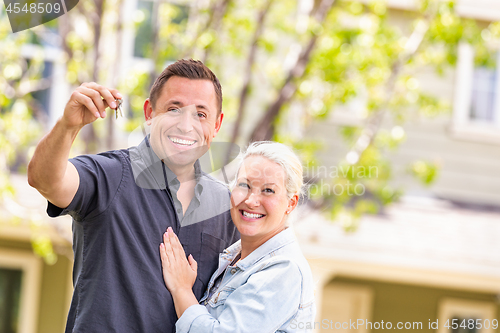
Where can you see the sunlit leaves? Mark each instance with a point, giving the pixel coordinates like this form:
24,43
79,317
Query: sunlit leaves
135,87
390,139
42,245
18,129
425,171
356,56
359,47
173,22
306,149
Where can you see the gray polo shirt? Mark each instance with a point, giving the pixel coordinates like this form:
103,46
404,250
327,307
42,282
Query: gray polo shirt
125,202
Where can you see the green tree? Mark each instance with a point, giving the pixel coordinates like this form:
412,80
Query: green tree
270,55
19,78
22,120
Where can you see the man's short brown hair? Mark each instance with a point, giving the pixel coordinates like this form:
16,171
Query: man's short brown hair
190,69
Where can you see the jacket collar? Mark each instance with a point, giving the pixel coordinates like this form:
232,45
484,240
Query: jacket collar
276,242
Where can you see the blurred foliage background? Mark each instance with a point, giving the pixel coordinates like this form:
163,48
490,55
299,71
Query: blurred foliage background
269,55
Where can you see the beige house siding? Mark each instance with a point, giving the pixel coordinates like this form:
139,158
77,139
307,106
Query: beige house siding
394,302
54,296
433,249
469,173
469,169
46,294
470,163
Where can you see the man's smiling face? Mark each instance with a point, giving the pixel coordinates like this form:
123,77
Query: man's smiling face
184,120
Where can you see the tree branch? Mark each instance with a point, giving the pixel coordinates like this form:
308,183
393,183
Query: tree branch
110,122
96,23
264,130
373,124
217,12
28,86
64,29
154,40
248,73
216,23
88,132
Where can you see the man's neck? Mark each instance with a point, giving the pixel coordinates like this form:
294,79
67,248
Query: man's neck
184,173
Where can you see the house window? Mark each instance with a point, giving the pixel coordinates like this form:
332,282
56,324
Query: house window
43,96
482,108
466,316
49,100
20,280
10,291
347,303
461,323
476,109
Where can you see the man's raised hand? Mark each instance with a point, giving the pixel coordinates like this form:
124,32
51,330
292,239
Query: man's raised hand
87,103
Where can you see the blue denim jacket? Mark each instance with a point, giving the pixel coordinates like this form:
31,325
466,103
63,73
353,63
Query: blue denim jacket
271,290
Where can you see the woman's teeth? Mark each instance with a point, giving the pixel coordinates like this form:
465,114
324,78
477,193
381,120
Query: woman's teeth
252,216
182,142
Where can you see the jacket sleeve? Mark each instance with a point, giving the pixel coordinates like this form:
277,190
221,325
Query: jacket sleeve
268,299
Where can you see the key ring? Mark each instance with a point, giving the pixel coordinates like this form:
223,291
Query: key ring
118,108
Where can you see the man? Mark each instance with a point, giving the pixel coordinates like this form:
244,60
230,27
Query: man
123,201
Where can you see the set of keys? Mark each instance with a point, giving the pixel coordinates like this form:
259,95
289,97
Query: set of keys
118,108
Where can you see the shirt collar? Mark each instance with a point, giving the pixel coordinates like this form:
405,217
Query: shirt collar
276,242
160,170
150,165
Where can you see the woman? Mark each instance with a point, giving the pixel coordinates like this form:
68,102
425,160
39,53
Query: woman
263,283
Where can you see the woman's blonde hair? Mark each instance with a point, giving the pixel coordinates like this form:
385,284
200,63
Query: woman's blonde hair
282,155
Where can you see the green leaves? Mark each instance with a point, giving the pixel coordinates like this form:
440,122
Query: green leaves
18,129
42,245
426,172
361,65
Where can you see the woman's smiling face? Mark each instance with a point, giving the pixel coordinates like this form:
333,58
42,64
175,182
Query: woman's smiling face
259,199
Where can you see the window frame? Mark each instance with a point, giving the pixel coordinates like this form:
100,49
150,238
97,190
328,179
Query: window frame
360,295
463,127
31,268
59,86
466,308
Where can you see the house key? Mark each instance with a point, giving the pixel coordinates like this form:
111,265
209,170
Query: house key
118,108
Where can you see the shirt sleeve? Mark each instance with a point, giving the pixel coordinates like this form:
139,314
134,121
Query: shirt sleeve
264,303
100,177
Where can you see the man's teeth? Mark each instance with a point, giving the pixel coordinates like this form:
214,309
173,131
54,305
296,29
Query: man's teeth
252,216
182,142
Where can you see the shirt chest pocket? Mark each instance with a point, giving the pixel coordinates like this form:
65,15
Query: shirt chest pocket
220,297
211,246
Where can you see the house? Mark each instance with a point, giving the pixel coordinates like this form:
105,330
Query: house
35,295
431,261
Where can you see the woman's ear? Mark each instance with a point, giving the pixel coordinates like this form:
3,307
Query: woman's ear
292,203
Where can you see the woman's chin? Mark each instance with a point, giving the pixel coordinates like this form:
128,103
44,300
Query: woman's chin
247,231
